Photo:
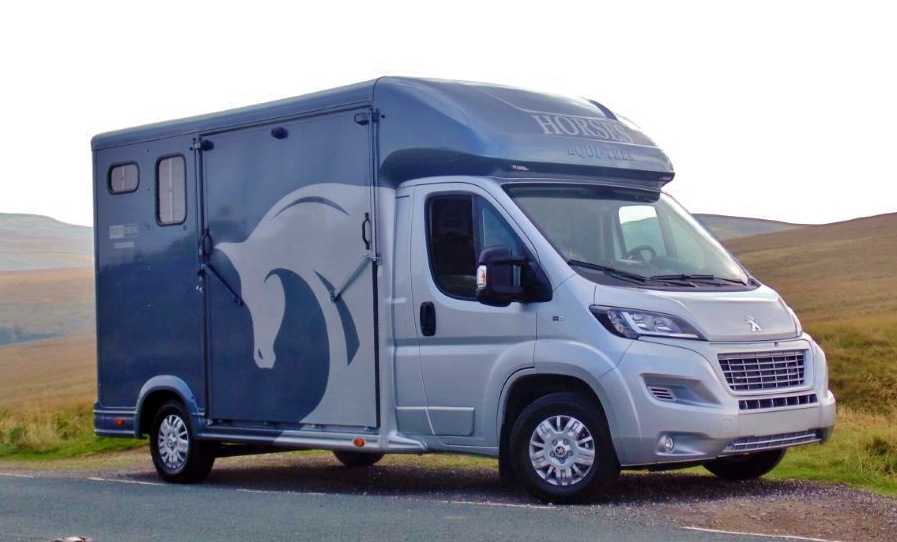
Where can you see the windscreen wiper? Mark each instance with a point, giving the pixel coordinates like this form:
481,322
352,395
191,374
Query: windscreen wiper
685,277
626,275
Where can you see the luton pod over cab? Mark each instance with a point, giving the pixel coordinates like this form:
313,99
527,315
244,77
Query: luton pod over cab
414,266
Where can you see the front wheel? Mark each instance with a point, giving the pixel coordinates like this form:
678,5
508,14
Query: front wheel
177,456
561,449
745,467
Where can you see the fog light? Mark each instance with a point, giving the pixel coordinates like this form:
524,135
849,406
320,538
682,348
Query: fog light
666,444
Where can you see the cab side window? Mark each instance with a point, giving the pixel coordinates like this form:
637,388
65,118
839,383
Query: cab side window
459,227
450,242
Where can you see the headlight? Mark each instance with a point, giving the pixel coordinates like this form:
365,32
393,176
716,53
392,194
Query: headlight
632,323
794,318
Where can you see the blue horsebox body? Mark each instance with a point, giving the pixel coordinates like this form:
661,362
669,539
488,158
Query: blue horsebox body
236,168
414,265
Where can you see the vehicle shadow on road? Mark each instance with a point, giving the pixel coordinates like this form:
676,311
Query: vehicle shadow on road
415,476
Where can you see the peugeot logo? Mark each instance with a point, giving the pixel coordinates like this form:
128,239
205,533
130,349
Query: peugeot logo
755,327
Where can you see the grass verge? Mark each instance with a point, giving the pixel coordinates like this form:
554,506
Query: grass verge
862,453
57,434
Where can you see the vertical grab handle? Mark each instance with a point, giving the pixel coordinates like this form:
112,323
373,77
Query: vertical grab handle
366,231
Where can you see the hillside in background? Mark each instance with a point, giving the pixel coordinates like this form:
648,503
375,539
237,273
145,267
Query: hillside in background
732,227
841,280
829,272
48,374
45,303
38,242
46,278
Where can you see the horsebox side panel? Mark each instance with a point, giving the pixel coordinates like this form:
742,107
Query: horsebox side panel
285,209
149,311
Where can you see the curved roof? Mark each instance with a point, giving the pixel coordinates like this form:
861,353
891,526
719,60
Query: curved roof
430,126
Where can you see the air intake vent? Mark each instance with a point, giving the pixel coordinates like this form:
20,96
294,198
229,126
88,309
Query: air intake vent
777,402
768,442
763,370
662,393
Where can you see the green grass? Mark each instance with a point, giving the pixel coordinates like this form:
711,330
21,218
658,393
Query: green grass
862,453
56,434
861,353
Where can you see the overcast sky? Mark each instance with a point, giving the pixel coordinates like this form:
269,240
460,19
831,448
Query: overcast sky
784,110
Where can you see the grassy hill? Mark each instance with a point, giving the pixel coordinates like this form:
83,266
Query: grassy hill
40,376
832,272
45,303
39,242
46,278
841,279
733,227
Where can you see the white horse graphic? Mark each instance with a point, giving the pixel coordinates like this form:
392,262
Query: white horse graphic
313,232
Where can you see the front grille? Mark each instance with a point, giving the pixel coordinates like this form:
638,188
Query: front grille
763,370
768,442
777,402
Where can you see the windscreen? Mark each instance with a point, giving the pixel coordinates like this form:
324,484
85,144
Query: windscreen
621,235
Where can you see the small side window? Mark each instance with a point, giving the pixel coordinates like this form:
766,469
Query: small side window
123,178
171,191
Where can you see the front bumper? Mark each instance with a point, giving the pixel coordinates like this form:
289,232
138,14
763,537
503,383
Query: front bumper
683,406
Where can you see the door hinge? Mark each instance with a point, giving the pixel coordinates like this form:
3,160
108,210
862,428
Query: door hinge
202,145
367,117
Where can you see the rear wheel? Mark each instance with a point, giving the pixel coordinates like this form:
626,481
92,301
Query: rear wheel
357,459
561,449
745,467
178,457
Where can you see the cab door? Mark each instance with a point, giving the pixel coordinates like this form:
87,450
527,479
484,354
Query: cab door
467,350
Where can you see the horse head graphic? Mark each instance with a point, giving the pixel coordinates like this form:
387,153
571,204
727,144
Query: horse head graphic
303,239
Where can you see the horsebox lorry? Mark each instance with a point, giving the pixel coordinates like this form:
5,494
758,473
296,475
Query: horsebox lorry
414,266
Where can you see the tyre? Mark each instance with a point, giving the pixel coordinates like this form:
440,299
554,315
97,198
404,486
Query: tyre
357,459
745,467
178,457
560,449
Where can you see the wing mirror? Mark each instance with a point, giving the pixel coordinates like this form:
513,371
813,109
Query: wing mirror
503,278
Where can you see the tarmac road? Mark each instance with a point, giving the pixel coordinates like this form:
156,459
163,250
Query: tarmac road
238,507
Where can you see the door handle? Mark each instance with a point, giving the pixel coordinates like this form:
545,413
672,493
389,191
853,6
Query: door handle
365,231
427,319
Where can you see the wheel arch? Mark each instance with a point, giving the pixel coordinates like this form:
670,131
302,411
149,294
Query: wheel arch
156,392
529,386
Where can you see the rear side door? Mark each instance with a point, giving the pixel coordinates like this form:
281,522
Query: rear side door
149,312
288,269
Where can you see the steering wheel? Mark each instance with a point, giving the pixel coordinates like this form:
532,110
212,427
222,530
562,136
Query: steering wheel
638,253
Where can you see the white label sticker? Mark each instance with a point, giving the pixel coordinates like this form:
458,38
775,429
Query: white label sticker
122,231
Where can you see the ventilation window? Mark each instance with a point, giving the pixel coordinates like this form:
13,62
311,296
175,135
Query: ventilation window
171,191
123,178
